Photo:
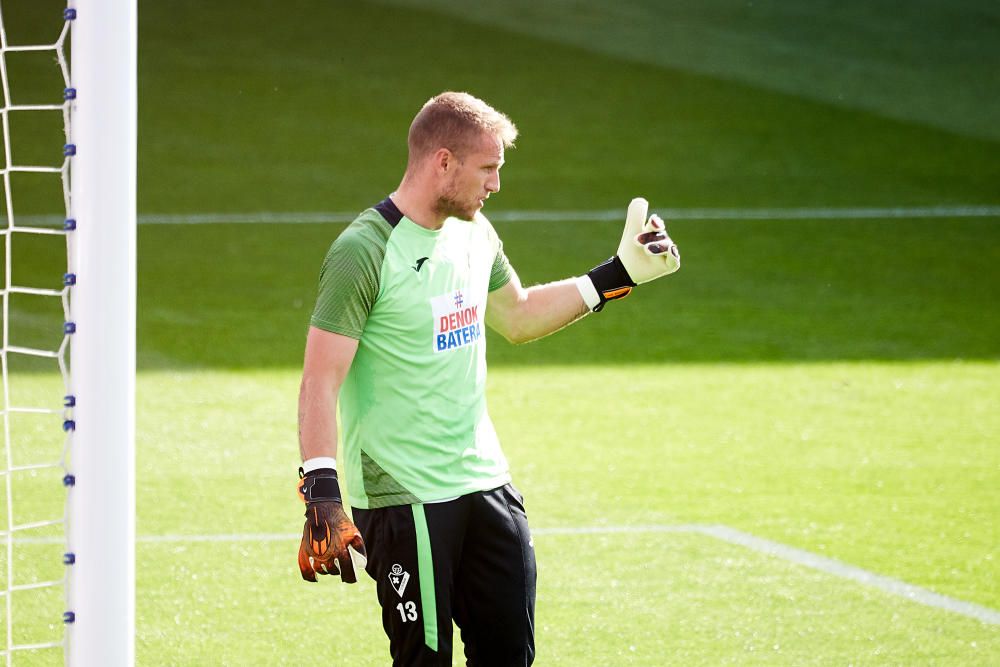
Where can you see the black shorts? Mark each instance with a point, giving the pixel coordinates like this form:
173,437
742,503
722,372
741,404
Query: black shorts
470,559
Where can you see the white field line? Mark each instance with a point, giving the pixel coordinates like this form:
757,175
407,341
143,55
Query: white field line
856,574
719,532
803,213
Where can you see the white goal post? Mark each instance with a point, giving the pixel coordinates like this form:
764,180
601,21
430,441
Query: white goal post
101,531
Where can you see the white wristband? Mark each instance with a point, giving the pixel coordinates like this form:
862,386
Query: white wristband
318,462
588,291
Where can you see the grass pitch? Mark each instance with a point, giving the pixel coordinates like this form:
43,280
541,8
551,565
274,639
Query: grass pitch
826,384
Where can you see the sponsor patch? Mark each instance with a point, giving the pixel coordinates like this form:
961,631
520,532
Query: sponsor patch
457,322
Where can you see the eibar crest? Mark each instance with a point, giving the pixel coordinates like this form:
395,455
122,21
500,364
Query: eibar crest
398,578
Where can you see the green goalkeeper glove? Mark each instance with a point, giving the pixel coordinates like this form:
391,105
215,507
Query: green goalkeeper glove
331,543
645,253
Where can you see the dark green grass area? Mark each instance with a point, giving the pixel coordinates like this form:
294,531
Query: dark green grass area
304,106
241,295
923,60
301,106
794,290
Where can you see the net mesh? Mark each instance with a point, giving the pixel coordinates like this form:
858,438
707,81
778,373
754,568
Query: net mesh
37,324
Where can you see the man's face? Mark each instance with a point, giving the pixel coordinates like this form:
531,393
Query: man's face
471,179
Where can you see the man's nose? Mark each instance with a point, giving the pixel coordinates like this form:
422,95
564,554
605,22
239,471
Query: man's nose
493,183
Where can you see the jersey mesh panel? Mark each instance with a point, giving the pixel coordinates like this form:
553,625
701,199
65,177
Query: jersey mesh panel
381,487
351,266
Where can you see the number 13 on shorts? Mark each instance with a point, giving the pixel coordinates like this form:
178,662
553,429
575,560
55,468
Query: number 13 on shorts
407,610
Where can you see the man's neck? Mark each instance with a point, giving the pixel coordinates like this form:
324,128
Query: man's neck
417,207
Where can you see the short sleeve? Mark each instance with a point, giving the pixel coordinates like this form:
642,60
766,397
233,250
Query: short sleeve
349,278
501,271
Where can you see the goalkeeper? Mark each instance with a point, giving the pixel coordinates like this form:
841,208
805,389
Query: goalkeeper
397,340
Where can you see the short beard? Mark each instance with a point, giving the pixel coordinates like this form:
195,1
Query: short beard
447,207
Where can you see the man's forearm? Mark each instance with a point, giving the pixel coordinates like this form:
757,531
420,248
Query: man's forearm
317,420
545,309
327,361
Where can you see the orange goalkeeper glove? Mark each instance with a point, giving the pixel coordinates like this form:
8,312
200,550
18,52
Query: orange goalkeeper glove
331,543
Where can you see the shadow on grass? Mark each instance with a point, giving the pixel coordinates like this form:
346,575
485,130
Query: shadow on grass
241,295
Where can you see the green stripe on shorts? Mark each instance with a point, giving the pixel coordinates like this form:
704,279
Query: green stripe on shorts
425,571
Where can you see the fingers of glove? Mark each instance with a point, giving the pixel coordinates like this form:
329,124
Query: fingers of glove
663,247
653,229
650,237
350,551
347,573
305,563
358,556
654,224
655,241
359,546
328,564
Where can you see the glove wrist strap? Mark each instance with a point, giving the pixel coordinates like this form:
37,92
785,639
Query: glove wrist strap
610,280
320,486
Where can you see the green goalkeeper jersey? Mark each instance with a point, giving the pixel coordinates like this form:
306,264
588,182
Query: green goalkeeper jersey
414,425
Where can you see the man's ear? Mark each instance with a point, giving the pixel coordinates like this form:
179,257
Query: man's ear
443,160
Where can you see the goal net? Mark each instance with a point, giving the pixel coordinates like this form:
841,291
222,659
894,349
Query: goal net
37,403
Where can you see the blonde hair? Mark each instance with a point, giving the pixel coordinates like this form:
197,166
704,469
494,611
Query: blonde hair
456,121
